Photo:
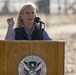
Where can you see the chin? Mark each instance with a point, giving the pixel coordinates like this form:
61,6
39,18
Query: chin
30,23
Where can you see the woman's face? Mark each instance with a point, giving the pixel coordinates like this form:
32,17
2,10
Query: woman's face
28,15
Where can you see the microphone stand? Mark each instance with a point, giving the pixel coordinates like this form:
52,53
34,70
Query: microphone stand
41,32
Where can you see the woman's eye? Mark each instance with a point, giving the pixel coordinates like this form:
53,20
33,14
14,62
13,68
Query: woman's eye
32,12
29,12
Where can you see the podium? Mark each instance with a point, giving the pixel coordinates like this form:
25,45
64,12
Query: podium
14,53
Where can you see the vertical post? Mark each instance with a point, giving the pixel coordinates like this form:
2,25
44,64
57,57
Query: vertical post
65,3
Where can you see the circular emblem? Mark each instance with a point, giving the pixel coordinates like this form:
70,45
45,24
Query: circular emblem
32,65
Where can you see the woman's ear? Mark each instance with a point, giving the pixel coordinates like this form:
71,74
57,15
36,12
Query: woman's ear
21,16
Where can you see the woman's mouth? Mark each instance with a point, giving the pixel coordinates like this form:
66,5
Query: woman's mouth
30,19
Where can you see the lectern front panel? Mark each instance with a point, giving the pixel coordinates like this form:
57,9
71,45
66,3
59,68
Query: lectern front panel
2,58
51,52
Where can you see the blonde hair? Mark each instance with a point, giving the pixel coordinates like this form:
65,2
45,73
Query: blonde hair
19,20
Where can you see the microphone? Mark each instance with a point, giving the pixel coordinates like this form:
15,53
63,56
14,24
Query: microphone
37,19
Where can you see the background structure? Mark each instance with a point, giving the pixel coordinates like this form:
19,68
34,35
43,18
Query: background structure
60,22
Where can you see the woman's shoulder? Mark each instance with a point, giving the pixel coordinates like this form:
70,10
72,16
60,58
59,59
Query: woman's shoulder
46,36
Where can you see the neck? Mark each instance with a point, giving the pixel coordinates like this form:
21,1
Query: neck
29,29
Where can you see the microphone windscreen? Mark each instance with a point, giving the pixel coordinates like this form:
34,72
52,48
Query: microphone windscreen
37,19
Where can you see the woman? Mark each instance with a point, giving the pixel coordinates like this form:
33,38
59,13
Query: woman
26,28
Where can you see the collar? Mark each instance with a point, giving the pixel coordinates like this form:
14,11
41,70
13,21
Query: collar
27,31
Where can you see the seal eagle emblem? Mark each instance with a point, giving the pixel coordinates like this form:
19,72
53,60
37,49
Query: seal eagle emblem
32,65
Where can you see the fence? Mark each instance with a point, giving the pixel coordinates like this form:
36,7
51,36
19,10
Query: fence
44,6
